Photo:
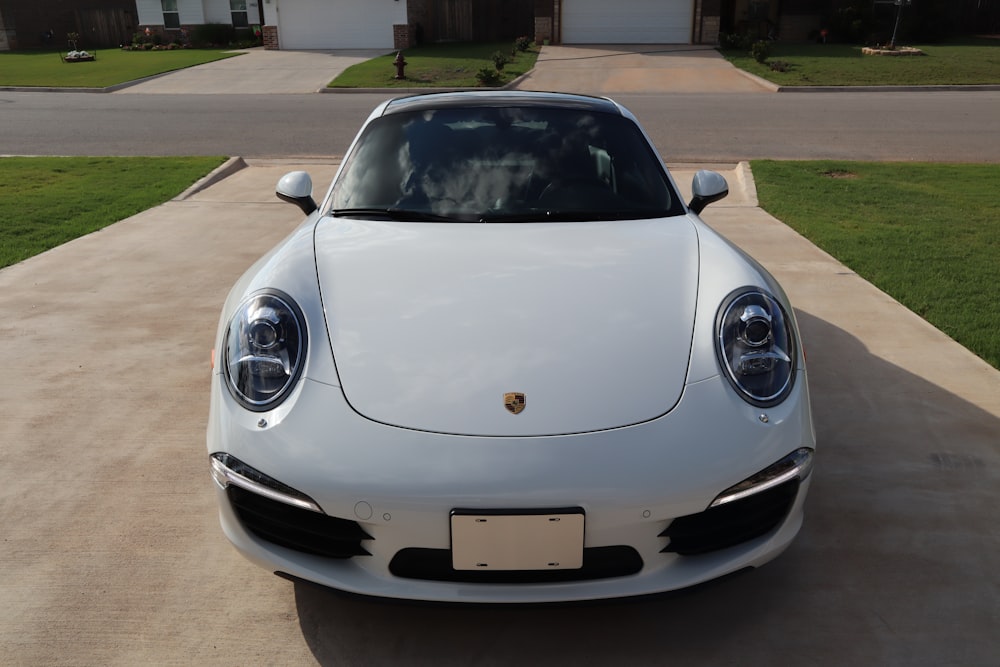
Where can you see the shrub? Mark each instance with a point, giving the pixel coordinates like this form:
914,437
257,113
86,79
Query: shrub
522,43
488,77
210,34
761,50
779,66
730,41
499,60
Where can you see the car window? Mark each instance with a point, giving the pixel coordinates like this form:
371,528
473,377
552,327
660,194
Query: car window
486,163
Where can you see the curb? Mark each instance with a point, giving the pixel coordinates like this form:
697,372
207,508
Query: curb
392,91
986,87
109,89
744,176
777,88
416,91
770,85
220,173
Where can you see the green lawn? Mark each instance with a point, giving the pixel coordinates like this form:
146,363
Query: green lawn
443,65
45,201
973,61
927,234
113,66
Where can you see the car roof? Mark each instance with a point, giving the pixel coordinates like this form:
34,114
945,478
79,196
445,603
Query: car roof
501,98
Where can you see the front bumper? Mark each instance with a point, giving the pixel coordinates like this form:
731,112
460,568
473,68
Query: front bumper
389,493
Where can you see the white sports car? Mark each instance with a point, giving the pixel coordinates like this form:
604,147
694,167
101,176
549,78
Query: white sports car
503,361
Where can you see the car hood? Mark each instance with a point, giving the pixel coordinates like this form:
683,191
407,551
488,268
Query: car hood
432,324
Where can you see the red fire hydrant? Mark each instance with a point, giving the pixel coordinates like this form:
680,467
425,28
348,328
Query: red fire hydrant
400,64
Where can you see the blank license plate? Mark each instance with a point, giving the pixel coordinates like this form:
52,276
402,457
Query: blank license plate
543,541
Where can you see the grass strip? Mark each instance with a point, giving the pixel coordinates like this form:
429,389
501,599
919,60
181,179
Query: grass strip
926,234
452,65
113,66
972,61
47,201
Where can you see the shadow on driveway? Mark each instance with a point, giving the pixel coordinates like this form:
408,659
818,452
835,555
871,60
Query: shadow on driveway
895,564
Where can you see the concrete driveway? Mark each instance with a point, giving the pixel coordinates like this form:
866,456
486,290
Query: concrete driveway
614,69
595,70
257,71
112,554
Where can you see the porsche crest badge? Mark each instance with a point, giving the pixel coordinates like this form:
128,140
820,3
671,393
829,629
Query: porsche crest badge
514,402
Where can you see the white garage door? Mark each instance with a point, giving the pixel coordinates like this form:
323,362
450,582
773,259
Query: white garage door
627,21
337,24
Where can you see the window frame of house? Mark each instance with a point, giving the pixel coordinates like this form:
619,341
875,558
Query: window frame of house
171,15
238,13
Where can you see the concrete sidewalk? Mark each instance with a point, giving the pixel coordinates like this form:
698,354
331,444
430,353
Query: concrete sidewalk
256,72
112,553
632,68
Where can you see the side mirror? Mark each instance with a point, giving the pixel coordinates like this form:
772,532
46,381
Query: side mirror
707,187
296,187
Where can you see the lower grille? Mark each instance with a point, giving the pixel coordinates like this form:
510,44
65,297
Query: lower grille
435,565
299,529
731,524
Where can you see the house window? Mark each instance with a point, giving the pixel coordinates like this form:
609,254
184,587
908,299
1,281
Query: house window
171,18
239,11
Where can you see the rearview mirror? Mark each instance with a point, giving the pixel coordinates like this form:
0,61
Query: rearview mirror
707,187
295,187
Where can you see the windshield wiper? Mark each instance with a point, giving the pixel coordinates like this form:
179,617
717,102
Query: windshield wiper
400,215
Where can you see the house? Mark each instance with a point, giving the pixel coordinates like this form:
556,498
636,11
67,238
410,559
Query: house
396,24
32,24
292,24
164,16
344,24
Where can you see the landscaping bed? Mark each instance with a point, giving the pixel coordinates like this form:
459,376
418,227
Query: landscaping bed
451,65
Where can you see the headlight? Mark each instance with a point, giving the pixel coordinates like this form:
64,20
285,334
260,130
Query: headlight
265,350
756,346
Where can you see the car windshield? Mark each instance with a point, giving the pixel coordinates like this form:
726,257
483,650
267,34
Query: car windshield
497,164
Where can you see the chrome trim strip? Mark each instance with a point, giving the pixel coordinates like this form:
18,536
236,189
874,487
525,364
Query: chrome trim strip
800,469
224,476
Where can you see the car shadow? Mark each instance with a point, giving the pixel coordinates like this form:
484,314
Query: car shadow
895,563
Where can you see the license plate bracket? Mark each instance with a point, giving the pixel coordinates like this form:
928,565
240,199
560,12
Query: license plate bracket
517,540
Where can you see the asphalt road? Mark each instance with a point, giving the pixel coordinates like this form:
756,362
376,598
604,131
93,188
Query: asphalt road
921,126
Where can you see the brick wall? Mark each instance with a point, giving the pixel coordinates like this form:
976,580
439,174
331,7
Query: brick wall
269,34
707,21
152,30
402,36
543,29
709,30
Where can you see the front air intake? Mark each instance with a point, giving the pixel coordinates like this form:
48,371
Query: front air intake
295,528
730,524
